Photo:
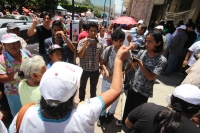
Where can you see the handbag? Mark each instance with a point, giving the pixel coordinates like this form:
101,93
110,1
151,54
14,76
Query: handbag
21,114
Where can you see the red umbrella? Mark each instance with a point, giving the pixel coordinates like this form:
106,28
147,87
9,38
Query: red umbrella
124,20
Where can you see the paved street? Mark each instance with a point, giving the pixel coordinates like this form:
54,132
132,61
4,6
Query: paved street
163,86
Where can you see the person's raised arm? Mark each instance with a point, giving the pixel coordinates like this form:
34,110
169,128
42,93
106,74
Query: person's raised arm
32,30
81,52
116,87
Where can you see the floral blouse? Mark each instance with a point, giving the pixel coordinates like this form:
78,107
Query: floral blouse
9,65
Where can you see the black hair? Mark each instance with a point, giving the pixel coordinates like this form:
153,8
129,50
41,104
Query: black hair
57,110
183,106
167,121
57,23
85,26
158,38
92,24
191,25
118,34
143,27
45,13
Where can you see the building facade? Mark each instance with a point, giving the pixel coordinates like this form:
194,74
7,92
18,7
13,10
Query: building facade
156,10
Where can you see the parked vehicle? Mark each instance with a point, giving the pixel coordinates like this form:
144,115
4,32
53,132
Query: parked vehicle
33,44
4,22
18,17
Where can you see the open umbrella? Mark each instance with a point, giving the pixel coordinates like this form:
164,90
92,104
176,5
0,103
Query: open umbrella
124,20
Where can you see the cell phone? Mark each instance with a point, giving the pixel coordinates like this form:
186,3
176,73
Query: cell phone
135,60
58,36
92,40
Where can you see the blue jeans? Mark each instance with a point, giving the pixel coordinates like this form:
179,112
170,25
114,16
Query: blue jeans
171,63
106,86
14,103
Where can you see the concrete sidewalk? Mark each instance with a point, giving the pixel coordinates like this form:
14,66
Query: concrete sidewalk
162,87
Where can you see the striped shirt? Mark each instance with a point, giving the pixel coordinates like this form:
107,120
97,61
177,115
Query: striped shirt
91,58
139,41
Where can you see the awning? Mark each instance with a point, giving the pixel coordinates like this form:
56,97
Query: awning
60,8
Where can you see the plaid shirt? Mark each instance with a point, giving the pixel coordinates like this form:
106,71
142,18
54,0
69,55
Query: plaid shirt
90,61
193,76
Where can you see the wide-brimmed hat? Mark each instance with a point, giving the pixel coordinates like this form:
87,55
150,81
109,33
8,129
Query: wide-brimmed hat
9,38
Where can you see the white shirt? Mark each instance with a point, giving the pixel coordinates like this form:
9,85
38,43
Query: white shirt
81,119
127,32
23,42
102,40
194,48
169,39
1,14
2,128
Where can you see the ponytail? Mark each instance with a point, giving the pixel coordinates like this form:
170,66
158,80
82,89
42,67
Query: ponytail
167,121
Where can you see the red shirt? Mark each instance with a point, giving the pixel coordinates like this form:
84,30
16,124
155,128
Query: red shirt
82,35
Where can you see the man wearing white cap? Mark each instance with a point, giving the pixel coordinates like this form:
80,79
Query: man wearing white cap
152,118
161,28
13,28
57,112
176,49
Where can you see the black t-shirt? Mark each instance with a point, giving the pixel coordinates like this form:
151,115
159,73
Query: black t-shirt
142,118
192,36
42,34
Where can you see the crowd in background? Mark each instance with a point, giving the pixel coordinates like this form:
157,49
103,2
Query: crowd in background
138,53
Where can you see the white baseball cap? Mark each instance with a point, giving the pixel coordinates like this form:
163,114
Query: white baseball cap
159,27
140,22
188,93
182,27
60,82
9,38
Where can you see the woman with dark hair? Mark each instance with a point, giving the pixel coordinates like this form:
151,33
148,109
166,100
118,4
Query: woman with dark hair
148,63
152,118
62,40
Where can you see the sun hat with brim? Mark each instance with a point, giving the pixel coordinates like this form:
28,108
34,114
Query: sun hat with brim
53,48
188,93
11,26
9,38
60,82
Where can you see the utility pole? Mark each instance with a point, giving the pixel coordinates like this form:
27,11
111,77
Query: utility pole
109,12
71,34
122,8
104,10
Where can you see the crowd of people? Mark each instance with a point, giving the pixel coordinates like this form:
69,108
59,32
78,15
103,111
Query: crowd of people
39,91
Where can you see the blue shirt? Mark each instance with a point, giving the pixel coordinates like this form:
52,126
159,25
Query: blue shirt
67,53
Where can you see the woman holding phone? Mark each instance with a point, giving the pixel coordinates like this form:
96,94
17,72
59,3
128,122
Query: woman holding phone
62,40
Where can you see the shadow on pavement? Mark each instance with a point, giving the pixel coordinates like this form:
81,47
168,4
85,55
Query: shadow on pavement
172,80
111,127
